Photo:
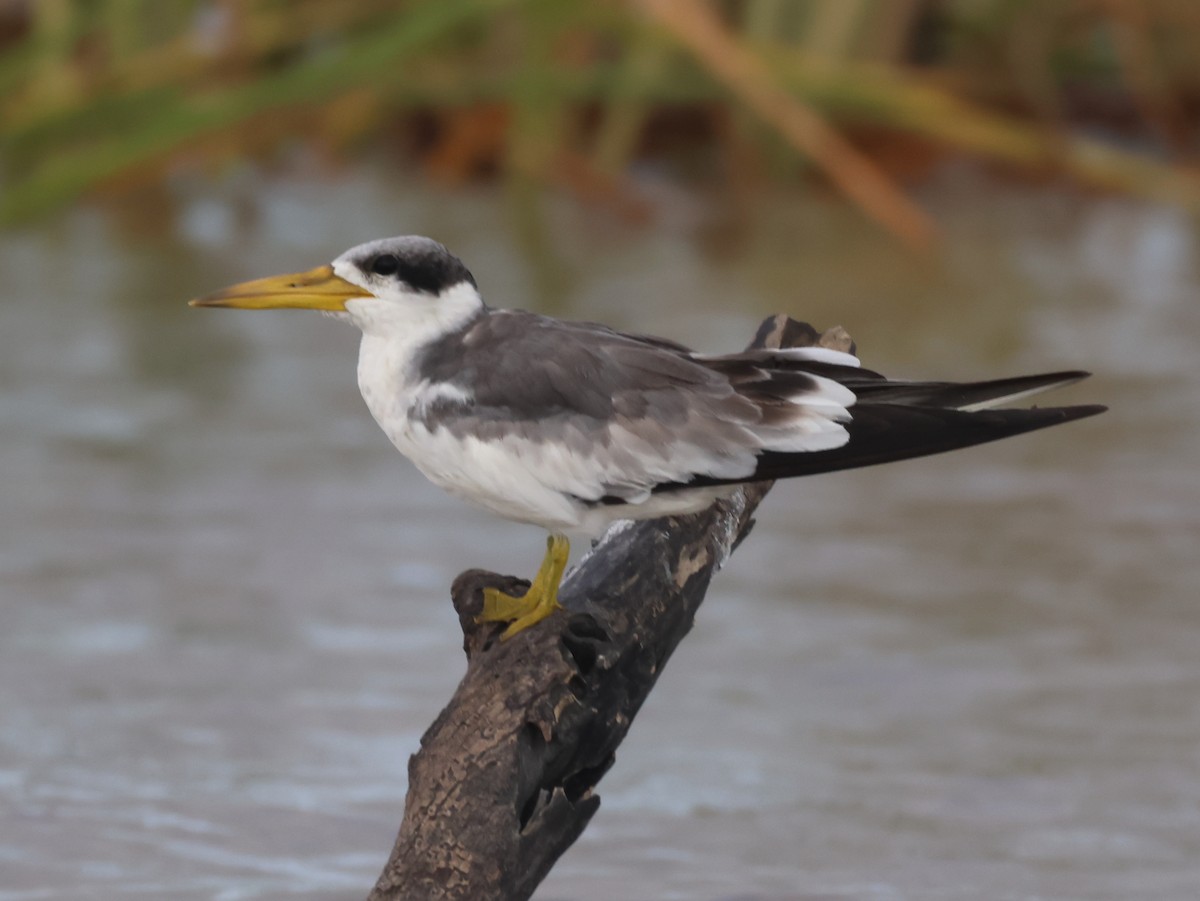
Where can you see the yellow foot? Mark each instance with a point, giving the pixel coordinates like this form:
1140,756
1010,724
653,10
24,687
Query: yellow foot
538,602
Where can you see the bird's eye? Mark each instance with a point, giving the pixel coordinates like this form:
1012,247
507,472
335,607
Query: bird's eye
384,264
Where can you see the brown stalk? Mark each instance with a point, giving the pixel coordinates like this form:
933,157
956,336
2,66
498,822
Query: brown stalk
698,29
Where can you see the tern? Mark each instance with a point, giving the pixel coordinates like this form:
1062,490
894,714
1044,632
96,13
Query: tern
574,425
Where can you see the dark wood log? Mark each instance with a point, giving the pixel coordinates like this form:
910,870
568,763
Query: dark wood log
505,779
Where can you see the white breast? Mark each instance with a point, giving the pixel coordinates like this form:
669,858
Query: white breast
495,475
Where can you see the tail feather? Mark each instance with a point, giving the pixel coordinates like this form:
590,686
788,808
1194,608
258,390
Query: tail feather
889,420
883,433
871,386
967,396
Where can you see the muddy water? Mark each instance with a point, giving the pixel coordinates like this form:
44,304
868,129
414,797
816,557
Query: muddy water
224,612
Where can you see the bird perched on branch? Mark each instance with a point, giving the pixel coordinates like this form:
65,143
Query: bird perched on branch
572,425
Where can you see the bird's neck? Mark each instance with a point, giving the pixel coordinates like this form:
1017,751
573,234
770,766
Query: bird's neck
393,345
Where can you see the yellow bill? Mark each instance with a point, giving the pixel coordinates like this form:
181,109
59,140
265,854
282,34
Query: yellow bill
317,289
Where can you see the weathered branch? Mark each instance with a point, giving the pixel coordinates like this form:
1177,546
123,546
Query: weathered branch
505,779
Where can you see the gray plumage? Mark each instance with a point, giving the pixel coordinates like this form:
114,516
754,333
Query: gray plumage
571,425
541,380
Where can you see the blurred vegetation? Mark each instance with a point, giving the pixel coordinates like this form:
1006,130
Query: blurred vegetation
99,95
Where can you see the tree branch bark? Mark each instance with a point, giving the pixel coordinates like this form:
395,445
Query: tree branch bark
505,779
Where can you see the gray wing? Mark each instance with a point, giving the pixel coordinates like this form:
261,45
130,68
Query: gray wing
604,414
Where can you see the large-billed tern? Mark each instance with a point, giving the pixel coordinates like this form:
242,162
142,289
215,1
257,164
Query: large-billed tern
572,425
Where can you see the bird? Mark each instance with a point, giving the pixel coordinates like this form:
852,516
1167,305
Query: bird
574,425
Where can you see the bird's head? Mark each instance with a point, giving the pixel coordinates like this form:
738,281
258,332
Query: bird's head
392,282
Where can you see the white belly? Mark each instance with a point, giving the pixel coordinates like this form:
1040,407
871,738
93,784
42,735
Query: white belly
502,478
518,479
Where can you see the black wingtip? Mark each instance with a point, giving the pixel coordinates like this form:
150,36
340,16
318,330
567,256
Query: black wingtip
885,433
1083,411
1066,377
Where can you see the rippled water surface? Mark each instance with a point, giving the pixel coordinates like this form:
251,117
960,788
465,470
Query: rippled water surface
225,614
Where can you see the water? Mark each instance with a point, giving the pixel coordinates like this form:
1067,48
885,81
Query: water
225,621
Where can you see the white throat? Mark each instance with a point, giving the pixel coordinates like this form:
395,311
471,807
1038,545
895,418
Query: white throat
395,329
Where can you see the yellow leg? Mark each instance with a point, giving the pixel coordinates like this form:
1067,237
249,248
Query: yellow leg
539,601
